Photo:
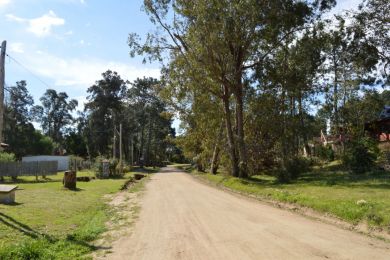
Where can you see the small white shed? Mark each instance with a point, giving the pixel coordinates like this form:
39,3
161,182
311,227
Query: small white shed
7,194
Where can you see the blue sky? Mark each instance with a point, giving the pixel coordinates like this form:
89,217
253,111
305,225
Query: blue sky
69,43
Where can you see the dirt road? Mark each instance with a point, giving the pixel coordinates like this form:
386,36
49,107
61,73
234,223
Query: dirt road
184,219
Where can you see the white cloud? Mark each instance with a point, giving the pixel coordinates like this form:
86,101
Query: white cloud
81,100
14,18
79,72
4,2
70,32
17,47
40,26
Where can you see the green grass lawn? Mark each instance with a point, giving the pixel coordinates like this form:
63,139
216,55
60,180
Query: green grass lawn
48,221
327,190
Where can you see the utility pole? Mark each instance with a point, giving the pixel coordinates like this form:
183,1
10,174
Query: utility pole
120,148
2,78
132,150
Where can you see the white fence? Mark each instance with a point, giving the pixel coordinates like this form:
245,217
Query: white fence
15,169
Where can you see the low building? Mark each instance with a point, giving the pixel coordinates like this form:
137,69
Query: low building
63,161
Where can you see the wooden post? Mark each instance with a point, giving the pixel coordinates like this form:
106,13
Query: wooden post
2,78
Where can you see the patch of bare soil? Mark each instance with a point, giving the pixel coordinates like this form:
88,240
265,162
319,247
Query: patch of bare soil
124,211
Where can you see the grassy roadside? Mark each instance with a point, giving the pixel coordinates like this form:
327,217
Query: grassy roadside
49,222
355,199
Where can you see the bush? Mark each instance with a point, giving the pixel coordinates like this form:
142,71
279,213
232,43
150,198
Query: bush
76,162
294,167
325,153
384,156
7,157
117,172
114,168
360,156
98,167
126,168
199,162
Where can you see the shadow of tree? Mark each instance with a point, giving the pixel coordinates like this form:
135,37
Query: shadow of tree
149,170
15,203
24,181
345,179
28,231
23,228
74,190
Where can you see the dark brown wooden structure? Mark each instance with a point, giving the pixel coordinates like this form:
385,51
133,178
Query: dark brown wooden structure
379,129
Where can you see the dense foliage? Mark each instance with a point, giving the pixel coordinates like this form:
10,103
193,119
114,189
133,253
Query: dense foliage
147,135
273,73
256,85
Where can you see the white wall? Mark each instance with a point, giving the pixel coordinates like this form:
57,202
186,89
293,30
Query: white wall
63,161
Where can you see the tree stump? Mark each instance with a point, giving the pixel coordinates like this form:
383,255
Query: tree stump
69,180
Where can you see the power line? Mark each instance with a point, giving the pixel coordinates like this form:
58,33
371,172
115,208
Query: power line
27,69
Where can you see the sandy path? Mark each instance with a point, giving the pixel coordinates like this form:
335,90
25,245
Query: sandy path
184,219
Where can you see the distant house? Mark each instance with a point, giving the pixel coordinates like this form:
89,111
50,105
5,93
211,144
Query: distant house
332,139
379,129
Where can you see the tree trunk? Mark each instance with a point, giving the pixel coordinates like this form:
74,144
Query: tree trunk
240,134
141,148
335,97
215,159
69,180
303,130
283,139
229,133
147,153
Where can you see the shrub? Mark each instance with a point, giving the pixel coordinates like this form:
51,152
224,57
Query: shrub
283,176
199,162
76,162
7,157
325,153
384,156
118,173
360,156
114,168
294,167
127,168
98,166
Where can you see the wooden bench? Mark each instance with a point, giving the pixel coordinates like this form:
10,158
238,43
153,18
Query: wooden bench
7,194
